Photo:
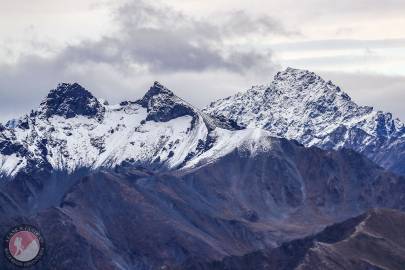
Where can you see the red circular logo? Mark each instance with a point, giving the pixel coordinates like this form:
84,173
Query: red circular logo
24,245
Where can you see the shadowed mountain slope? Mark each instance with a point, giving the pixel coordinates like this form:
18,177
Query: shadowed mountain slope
253,198
372,241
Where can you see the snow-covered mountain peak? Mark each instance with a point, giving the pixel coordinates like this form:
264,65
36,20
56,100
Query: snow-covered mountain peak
155,92
296,73
163,105
301,105
159,88
72,130
70,100
294,98
304,85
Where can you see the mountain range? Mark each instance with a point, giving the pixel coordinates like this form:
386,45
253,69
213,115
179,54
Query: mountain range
157,183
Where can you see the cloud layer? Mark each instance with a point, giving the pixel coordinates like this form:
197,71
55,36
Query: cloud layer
150,41
160,39
201,49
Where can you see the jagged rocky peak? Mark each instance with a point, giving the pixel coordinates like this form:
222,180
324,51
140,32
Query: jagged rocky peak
69,100
315,95
301,105
294,93
301,82
163,105
297,74
290,72
157,89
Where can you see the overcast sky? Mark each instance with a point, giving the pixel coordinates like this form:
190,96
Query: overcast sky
201,49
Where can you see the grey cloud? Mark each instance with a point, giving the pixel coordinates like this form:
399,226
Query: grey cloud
197,57
340,44
241,23
164,40
152,43
22,85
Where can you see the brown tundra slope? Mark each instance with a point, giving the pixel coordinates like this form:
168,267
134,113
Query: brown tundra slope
372,241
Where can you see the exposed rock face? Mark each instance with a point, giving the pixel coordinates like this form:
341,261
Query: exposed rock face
300,105
372,241
162,105
70,100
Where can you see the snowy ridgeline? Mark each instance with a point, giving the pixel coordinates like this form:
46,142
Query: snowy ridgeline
302,106
161,129
72,129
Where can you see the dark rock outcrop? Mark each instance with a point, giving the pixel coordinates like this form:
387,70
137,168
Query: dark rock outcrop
163,105
70,100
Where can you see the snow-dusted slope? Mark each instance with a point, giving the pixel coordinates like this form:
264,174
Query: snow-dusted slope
72,130
250,141
300,105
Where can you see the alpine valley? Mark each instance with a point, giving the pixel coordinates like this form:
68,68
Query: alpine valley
290,175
